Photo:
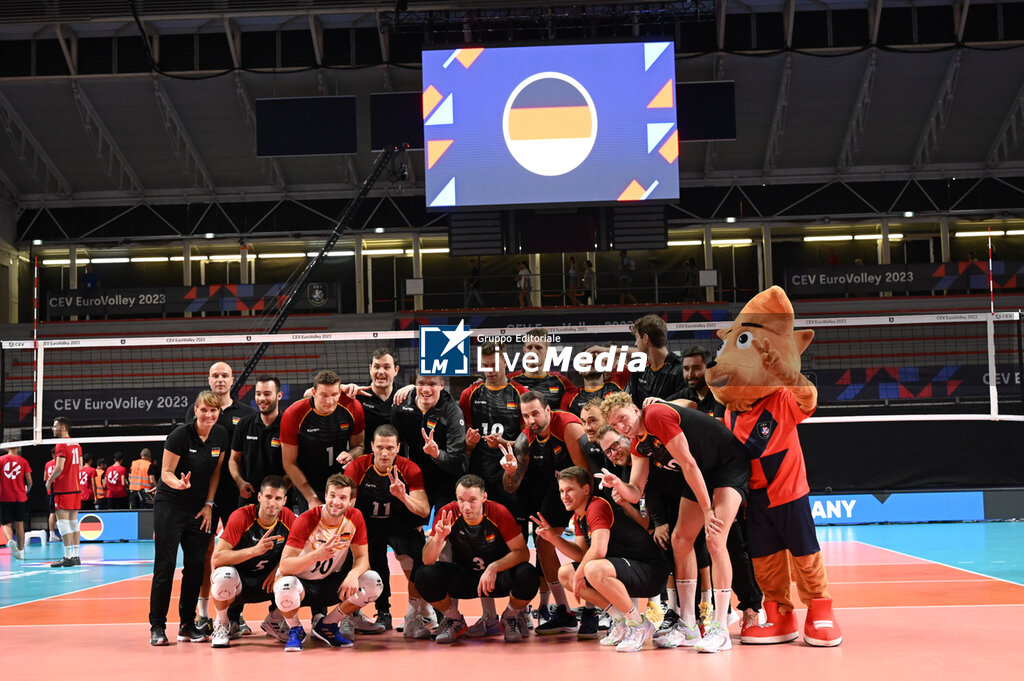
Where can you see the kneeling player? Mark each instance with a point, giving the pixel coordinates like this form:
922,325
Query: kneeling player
489,558
246,558
615,560
325,563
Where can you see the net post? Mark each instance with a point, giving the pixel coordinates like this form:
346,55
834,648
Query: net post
1020,360
993,389
37,410
3,389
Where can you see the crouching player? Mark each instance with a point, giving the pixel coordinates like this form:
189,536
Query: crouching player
615,560
245,561
325,563
489,558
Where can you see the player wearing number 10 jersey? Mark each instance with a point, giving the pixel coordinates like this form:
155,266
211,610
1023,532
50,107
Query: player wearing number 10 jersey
491,408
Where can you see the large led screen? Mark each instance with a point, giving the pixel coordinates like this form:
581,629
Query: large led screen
554,124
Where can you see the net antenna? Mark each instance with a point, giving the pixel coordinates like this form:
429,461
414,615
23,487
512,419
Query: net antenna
343,223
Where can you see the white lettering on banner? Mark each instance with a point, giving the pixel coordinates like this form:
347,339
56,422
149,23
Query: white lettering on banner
1002,378
840,508
562,359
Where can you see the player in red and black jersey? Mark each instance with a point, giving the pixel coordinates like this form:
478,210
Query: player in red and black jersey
15,483
245,561
711,464
594,388
552,385
85,483
393,500
614,559
66,490
320,436
489,558
551,441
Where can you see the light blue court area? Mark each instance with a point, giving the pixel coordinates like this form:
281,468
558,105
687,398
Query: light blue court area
994,549
33,579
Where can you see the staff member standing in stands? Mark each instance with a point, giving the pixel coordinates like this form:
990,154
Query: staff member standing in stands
142,480
320,436
116,478
256,443
432,430
183,515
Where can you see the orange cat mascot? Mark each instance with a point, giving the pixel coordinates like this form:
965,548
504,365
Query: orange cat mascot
756,375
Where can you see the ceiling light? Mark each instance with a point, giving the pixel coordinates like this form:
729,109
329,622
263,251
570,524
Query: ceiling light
178,258
829,237
378,230
908,213
331,254
225,257
994,232
153,258
37,242
410,251
731,242
689,242
893,236
280,256
209,235
108,261
1015,232
730,220
58,261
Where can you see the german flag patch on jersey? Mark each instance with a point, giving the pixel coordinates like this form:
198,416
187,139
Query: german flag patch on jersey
274,442
431,424
511,405
490,538
215,451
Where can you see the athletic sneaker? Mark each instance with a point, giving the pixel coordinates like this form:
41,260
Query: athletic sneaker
296,635
363,625
63,563
414,627
157,636
205,625
347,629
329,633
483,628
188,633
562,621
529,613
715,639
240,628
588,625
277,630
384,620
543,614
430,616
451,630
221,635
615,634
76,561
54,536
604,622
668,623
514,628
636,637
681,636
15,551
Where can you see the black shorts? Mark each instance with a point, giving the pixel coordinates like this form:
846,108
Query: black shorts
321,594
642,579
403,540
438,580
252,588
730,469
14,512
539,496
789,526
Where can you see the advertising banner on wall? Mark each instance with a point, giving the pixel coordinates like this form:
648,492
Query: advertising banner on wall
903,278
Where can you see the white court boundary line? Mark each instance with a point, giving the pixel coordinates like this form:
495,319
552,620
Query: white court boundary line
935,562
55,596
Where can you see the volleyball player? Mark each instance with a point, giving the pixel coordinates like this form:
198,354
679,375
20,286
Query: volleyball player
15,483
593,422
116,479
551,441
614,559
716,471
552,385
245,561
325,562
85,483
695,363
256,444
391,496
663,375
489,558
594,387
67,495
432,431
320,435
183,516
378,398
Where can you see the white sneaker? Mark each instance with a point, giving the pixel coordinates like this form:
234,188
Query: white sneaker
483,628
363,625
221,635
275,629
54,537
615,634
15,551
681,636
716,638
636,637
414,627
428,616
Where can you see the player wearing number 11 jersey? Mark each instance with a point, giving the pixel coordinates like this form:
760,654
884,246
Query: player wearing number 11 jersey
67,495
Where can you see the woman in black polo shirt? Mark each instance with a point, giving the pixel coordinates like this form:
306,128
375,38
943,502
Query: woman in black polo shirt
182,513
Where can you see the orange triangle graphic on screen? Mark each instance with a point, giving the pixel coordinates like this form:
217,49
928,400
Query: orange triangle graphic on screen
634,192
435,150
468,55
670,149
431,98
662,100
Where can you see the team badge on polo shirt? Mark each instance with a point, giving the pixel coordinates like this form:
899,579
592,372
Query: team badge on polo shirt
235,420
764,429
552,388
489,538
511,405
344,426
431,424
215,451
274,442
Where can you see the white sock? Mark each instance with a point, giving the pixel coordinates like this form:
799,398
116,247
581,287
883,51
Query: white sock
545,599
615,613
293,621
633,616
453,613
415,607
558,593
204,607
686,590
67,552
705,596
511,611
75,550
722,597
673,604
490,610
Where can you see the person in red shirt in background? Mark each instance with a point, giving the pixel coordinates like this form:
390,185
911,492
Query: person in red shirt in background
15,482
85,483
51,520
67,497
99,485
116,478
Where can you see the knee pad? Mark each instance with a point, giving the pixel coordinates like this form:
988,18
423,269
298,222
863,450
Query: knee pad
225,584
370,586
75,527
64,527
288,593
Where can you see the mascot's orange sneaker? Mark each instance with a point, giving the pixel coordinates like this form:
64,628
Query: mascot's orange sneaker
820,627
777,628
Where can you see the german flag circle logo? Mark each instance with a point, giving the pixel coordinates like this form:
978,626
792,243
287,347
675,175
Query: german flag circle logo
91,527
550,123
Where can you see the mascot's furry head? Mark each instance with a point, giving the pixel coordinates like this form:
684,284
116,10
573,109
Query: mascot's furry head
761,352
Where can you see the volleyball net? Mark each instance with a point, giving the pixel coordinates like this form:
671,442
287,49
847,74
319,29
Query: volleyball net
958,366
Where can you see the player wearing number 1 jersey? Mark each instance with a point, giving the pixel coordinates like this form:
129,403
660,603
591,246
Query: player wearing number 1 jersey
67,494
325,563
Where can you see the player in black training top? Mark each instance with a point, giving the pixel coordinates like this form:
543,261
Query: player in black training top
245,561
552,385
489,558
594,388
663,376
695,363
256,444
378,397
